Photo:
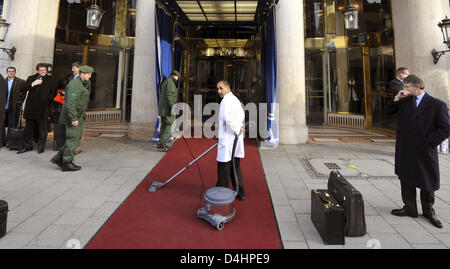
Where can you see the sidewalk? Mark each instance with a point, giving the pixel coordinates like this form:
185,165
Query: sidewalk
293,171
48,207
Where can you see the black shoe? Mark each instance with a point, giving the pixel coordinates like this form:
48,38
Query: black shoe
40,151
163,147
241,197
432,218
57,159
403,212
23,150
70,167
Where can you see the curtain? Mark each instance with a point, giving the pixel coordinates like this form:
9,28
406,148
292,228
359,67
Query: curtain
269,62
163,45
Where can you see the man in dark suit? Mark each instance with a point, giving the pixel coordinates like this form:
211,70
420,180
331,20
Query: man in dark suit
3,97
396,85
13,102
423,125
75,71
41,89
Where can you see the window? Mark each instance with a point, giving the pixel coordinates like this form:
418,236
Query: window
314,16
1,7
131,18
73,16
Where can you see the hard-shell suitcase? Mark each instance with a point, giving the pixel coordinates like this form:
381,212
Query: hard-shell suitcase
328,216
353,203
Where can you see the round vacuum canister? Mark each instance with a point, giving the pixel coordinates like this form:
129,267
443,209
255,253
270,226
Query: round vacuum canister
219,196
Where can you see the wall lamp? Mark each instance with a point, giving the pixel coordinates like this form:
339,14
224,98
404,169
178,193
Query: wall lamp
351,17
3,31
94,16
445,26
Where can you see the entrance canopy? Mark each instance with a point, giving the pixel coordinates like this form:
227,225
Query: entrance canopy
218,12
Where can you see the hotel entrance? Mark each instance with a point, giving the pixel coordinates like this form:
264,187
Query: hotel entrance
348,71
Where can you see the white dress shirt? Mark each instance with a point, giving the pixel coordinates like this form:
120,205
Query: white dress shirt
231,120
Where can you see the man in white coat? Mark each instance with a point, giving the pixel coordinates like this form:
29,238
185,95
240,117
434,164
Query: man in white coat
231,121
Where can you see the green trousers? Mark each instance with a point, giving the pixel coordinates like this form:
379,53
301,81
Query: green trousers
166,132
73,138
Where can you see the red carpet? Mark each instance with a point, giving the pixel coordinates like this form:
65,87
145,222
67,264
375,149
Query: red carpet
167,218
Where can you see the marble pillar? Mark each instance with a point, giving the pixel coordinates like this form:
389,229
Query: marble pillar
144,111
416,34
32,32
291,72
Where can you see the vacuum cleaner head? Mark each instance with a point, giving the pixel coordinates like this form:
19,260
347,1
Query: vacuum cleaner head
155,186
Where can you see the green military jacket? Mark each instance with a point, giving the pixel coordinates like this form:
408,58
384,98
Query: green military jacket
168,97
77,100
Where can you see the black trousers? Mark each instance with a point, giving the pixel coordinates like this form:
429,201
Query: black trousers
8,123
35,130
225,173
427,200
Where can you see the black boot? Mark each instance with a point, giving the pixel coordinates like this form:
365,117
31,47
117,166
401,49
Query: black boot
69,167
58,159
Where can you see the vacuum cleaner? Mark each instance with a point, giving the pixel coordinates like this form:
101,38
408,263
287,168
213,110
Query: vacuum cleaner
218,209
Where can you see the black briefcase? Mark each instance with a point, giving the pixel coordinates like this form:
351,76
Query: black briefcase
59,134
353,203
15,138
328,216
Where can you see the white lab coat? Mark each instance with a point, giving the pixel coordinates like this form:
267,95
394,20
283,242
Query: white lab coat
231,120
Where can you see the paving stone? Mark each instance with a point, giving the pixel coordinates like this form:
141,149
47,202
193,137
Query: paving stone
106,209
284,214
290,231
415,234
15,240
75,216
377,225
295,245
445,239
93,202
391,241
87,230
305,223
57,207
35,224
301,206
298,193
430,246
54,236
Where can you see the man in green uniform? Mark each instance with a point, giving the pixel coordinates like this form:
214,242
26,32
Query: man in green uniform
167,98
72,116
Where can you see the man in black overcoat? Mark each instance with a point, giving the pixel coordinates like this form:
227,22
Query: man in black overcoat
423,125
14,86
41,89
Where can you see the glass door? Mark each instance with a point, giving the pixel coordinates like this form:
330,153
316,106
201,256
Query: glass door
382,70
316,87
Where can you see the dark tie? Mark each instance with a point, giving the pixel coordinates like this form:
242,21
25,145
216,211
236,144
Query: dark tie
415,103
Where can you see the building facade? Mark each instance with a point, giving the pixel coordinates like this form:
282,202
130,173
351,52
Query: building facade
325,74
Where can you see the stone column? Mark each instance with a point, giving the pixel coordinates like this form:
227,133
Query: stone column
416,34
32,32
291,72
144,110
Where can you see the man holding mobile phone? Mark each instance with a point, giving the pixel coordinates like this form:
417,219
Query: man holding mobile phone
42,89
